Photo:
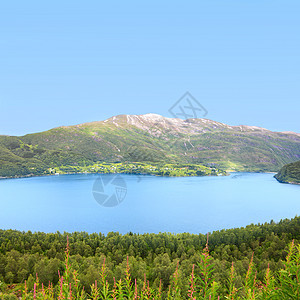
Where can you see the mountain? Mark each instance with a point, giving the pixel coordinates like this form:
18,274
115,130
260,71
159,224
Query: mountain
150,138
289,173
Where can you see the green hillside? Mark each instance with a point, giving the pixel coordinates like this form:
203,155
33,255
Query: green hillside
150,139
289,173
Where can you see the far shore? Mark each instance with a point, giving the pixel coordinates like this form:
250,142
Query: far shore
141,174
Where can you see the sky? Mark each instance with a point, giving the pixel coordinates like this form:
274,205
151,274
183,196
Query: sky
70,62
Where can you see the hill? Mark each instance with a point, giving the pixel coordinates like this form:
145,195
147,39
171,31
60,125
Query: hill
289,173
149,138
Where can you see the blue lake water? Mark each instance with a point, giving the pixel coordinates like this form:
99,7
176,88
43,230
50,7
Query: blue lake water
152,204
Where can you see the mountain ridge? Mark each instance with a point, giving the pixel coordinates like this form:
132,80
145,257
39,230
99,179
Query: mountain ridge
190,120
156,117
150,138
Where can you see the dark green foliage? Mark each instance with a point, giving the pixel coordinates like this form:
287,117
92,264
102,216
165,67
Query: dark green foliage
202,284
289,173
156,256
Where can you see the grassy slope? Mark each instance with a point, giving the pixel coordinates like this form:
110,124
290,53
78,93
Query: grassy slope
289,173
245,150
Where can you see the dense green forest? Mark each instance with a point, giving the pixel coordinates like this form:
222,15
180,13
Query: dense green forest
156,257
289,173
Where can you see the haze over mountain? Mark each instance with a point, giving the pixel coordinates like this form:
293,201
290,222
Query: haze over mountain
150,138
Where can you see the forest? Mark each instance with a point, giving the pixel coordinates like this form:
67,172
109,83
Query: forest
289,173
240,263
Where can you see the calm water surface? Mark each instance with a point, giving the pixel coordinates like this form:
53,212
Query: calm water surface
152,204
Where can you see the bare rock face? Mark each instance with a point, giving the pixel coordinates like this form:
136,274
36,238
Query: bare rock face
189,126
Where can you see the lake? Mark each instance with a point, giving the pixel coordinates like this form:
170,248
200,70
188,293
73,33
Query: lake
149,203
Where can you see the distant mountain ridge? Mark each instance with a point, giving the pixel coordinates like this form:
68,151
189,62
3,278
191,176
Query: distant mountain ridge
150,137
146,121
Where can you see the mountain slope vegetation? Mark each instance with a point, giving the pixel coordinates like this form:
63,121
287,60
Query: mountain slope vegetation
149,138
289,173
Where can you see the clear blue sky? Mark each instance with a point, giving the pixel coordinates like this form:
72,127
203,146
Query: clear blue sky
69,62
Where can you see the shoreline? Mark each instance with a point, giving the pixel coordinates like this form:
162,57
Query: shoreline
220,229
141,174
78,173
138,169
287,182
